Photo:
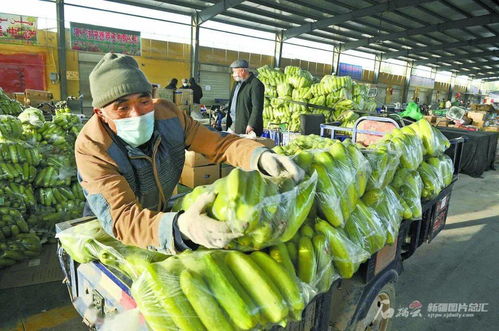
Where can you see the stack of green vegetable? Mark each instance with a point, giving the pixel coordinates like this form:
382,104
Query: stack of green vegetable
58,195
17,170
88,241
269,210
360,208
18,247
293,93
437,169
9,106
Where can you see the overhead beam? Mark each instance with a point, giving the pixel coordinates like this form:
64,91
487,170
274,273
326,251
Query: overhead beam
471,42
459,24
491,63
389,5
456,57
218,8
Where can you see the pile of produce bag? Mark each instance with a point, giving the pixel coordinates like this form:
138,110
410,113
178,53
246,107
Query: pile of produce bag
295,91
295,239
59,196
267,211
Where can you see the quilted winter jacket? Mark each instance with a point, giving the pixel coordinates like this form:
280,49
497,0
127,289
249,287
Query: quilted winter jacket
128,190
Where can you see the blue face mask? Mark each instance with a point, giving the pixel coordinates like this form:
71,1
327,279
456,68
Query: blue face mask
136,131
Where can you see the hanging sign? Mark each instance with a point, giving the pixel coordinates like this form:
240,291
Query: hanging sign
92,38
346,69
17,28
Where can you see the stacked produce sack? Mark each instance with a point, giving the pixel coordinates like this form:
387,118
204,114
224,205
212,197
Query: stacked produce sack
294,91
9,106
58,195
296,239
269,210
18,160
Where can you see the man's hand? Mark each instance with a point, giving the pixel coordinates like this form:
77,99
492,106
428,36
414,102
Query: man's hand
202,229
249,129
279,165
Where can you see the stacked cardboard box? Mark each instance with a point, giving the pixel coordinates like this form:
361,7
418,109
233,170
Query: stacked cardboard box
184,99
198,170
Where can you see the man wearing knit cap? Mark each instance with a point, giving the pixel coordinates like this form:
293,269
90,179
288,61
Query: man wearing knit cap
131,153
246,101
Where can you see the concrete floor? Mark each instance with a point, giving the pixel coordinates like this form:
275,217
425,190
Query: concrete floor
460,266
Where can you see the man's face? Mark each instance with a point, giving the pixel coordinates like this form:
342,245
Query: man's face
132,105
238,74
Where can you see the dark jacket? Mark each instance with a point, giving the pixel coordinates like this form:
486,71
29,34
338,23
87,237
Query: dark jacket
197,92
249,106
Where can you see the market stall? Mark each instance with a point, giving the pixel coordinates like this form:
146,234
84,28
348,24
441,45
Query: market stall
479,152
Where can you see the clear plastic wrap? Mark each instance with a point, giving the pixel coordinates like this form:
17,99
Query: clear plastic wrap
267,212
18,196
22,246
342,170
10,127
18,151
56,170
409,186
12,223
347,254
219,290
447,168
32,116
88,241
434,141
388,208
366,228
432,179
384,159
308,256
410,147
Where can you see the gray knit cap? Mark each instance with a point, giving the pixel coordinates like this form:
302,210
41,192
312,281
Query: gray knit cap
239,64
115,76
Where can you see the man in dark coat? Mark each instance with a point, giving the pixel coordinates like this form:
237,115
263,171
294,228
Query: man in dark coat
246,101
197,91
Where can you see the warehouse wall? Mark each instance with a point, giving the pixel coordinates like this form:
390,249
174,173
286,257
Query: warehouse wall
315,68
47,46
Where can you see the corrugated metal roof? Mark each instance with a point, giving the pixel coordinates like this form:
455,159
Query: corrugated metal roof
434,33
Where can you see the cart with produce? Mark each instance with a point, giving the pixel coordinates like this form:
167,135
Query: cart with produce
325,252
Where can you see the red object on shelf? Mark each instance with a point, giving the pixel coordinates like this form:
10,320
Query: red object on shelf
22,71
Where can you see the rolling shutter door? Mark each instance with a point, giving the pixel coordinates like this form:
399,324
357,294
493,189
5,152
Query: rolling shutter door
218,84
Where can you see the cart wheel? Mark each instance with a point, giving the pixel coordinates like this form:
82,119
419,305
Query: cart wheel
380,311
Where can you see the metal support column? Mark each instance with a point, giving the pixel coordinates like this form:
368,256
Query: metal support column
408,74
61,48
336,59
195,47
279,40
434,77
451,87
377,67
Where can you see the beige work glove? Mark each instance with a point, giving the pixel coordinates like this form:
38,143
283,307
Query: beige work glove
203,230
277,165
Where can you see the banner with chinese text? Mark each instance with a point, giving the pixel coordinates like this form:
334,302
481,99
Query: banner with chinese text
92,38
17,28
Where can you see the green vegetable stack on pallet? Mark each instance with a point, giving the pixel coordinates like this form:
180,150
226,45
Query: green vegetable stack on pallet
9,106
58,195
290,93
295,239
18,160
